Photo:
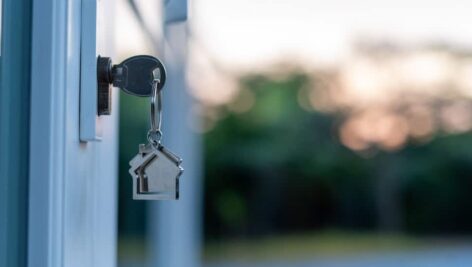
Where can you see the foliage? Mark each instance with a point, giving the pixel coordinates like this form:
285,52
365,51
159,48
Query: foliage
280,168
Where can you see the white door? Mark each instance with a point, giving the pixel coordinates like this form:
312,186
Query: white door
73,184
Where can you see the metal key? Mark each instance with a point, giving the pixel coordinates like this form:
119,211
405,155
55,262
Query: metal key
134,76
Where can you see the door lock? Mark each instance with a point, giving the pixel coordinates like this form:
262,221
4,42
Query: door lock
135,76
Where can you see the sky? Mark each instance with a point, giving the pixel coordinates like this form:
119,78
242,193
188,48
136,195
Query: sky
245,33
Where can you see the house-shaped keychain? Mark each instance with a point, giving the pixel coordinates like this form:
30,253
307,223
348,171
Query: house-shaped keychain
155,173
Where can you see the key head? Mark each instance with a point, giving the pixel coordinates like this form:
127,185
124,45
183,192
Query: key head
135,75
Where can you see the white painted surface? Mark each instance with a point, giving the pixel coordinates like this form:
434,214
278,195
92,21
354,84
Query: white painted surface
89,121
176,226
72,216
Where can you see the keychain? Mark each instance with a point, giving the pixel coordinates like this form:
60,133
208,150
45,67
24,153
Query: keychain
155,170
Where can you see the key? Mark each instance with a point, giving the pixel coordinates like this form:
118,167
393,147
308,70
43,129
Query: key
135,75
155,172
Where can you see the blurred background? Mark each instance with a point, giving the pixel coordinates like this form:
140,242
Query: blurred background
330,133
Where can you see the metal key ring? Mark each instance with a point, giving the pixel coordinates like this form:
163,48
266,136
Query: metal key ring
154,134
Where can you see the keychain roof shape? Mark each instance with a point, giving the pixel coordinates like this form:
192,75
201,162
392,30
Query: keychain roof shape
155,172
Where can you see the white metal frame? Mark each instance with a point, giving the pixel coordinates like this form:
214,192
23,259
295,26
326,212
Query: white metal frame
72,193
89,121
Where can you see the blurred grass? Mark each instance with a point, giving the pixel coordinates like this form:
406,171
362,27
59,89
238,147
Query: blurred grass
310,245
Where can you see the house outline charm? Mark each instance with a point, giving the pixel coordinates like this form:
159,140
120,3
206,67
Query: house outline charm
155,173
